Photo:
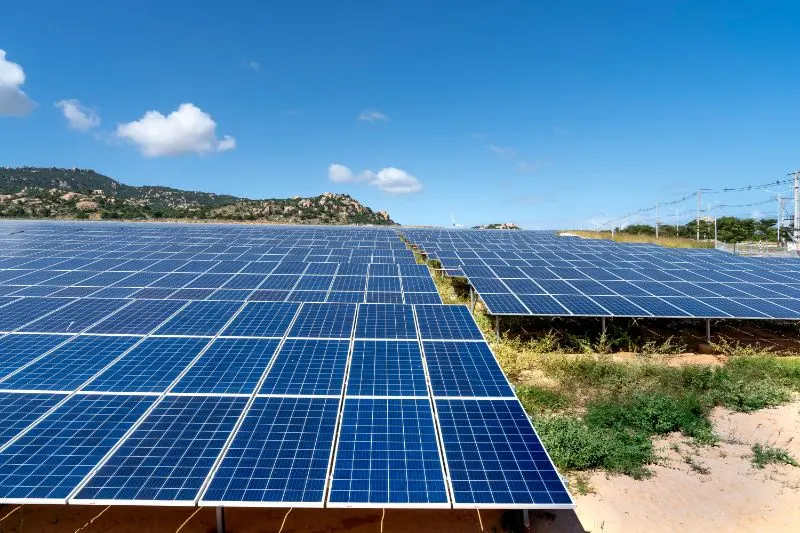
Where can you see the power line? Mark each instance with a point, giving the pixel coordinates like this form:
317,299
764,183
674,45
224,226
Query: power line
689,196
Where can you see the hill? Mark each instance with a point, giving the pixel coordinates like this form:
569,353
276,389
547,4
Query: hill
34,192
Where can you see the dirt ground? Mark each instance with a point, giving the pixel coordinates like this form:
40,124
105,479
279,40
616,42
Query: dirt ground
712,488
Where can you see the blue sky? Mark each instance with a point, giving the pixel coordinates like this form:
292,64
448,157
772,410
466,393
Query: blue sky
551,114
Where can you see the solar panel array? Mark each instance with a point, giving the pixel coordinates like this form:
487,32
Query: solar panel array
205,262
541,273
196,401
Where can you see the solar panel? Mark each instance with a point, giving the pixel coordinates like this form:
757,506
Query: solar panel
464,369
138,318
149,367
49,461
262,319
446,322
169,454
513,471
324,321
279,456
69,365
386,368
390,321
18,313
387,455
200,318
18,411
17,351
305,366
231,366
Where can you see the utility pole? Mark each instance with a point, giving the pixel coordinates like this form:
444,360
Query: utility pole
780,217
796,233
698,212
657,206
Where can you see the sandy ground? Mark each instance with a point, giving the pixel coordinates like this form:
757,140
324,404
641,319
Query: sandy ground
721,492
713,488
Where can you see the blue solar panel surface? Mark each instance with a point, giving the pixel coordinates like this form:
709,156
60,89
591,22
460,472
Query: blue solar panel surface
249,344
170,454
51,459
387,454
386,368
308,366
280,454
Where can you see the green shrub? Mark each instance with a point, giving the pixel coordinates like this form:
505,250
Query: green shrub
574,445
764,454
535,398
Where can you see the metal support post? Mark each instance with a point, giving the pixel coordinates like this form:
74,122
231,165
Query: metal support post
220,520
497,327
603,322
471,300
708,330
526,521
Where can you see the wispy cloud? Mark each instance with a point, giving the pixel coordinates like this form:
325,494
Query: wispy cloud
372,115
79,117
250,64
527,167
501,150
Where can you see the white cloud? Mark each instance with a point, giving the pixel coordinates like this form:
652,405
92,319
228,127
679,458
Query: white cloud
13,100
185,131
390,180
502,150
78,116
372,115
395,181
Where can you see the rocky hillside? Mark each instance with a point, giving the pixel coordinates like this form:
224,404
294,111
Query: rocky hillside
79,193
502,225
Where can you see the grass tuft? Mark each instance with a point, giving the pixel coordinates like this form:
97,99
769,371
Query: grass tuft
764,454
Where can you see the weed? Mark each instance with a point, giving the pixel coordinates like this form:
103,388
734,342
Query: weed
575,445
764,454
536,399
668,346
653,414
582,484
695,466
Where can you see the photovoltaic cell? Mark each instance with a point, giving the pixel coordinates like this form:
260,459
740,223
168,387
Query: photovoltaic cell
169,455
503,304
513,470
303,366
386,368
151,366
387,454
464,369
279,455
70,365
52,458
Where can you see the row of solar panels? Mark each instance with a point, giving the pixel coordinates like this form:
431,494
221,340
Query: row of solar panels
335,405
610,279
